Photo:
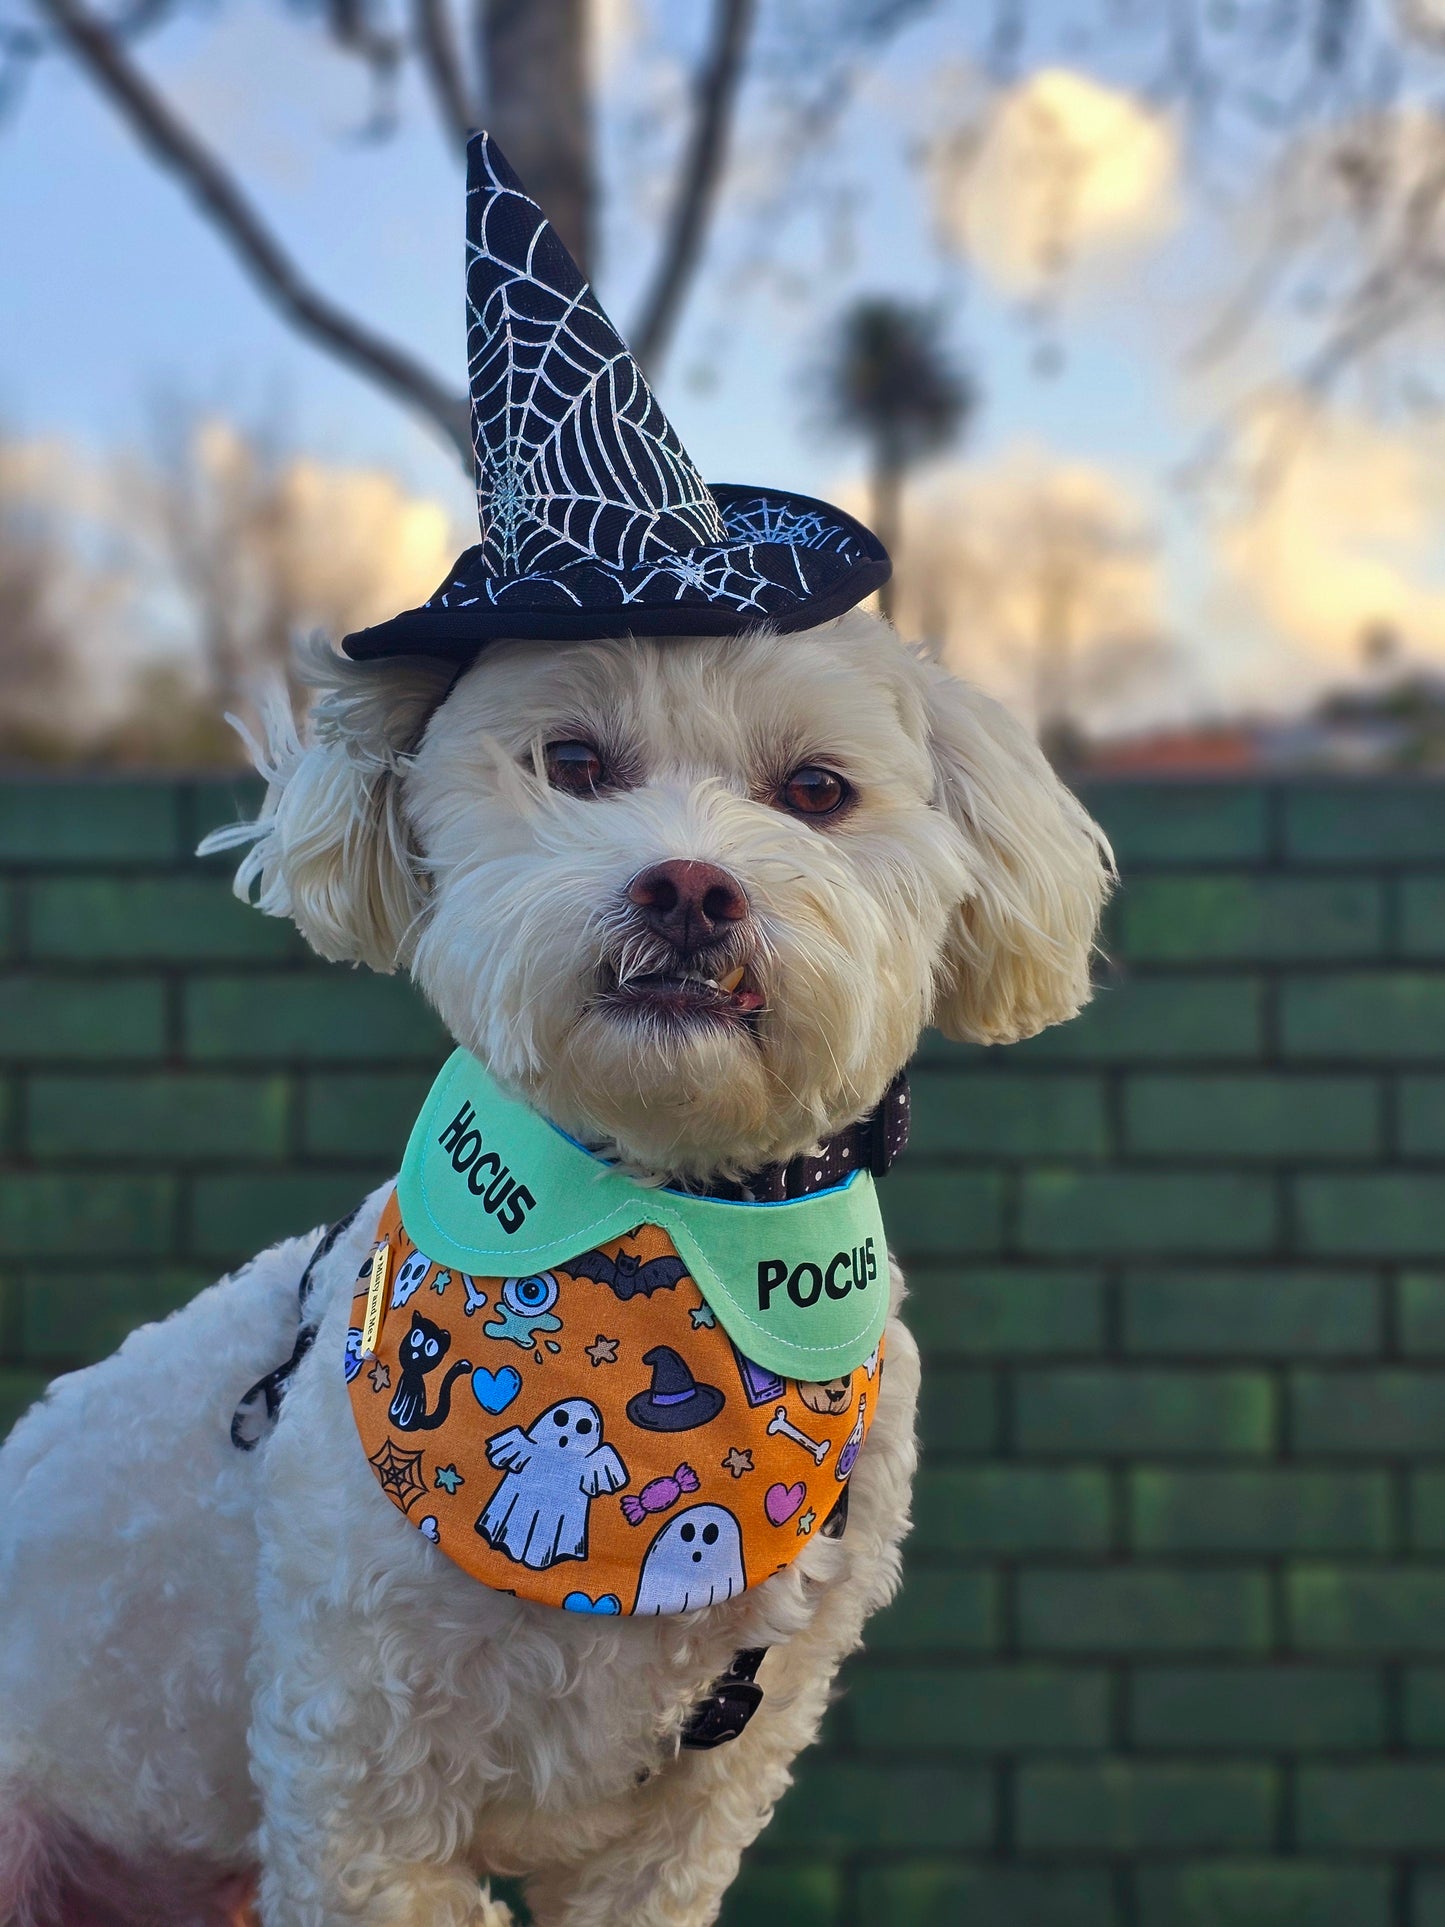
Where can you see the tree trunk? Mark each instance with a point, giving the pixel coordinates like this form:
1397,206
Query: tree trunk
887,489
1053,666
534,54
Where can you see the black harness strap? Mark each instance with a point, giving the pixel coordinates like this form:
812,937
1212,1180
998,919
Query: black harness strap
729,1704
258,1408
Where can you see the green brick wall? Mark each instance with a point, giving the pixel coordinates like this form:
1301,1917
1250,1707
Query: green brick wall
1171,1652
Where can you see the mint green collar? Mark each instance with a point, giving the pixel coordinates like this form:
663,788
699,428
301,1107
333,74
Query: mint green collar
490,1188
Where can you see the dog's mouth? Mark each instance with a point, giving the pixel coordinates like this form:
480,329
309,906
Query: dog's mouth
694,992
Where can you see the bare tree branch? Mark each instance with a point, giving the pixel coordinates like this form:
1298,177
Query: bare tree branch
540,109
442,64
355,32
352,28
155,123
715,97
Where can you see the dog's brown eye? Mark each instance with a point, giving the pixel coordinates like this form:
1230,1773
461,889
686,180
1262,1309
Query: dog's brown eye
574,767
812,791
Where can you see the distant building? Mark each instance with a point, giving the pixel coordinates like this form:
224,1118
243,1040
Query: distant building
1399,726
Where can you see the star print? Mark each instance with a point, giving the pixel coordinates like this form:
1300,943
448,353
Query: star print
702,1318
440,1282
807,1522
380,1376
448,1479
738,1462
602,1351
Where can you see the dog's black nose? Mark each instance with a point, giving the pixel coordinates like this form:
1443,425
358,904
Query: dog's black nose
690,904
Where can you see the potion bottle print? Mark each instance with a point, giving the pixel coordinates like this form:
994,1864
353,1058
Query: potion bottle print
852,1445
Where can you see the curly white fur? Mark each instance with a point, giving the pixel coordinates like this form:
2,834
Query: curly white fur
212,1662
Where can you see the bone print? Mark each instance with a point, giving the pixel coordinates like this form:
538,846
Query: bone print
779,1423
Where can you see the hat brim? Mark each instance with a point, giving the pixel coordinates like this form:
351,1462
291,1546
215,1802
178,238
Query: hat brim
790,562
702,1405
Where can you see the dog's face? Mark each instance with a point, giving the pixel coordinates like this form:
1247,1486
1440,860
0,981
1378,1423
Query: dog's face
696,899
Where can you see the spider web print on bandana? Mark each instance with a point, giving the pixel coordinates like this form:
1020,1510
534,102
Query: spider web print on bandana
575,460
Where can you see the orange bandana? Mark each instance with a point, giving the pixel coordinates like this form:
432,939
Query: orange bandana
589,1437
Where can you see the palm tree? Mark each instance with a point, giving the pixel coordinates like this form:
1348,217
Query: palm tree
887,378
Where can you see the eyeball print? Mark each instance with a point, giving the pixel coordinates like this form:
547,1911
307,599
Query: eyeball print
524,1308
529,1296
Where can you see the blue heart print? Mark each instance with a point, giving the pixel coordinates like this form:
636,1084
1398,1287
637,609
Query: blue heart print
496,1390
581,1602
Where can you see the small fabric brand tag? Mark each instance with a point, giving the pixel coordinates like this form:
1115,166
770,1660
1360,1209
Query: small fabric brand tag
375,1300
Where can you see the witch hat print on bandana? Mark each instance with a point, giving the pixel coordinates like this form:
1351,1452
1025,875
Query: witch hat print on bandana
594,520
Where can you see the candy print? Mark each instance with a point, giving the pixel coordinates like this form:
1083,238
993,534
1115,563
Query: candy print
658,1494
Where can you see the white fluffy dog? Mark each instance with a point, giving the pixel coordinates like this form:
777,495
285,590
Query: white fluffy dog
218,1666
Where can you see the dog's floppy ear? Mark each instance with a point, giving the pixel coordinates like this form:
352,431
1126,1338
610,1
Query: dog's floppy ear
332,848
1018,956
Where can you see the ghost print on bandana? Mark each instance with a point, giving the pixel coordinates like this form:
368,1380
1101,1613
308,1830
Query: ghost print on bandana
589,1448
696,1560
551,1474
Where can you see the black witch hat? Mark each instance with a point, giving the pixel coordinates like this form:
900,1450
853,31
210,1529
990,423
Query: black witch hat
675,1401
594,520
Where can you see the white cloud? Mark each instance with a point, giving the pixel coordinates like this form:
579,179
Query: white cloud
1057,170
1343,540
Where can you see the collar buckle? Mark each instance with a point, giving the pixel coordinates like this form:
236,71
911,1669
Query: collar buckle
728,1705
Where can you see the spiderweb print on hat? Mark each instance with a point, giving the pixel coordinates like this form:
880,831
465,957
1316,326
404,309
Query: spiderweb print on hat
594,520
575,460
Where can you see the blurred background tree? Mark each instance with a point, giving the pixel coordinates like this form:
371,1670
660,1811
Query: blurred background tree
1266,182
887,378
34,629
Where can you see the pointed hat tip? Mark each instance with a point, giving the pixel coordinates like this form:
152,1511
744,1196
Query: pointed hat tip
594,519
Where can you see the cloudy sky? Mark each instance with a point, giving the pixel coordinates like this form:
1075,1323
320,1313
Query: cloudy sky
117,297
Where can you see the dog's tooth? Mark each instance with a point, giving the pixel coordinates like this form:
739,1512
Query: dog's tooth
731,981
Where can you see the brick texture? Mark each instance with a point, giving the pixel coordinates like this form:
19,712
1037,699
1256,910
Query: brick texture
1170,1648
